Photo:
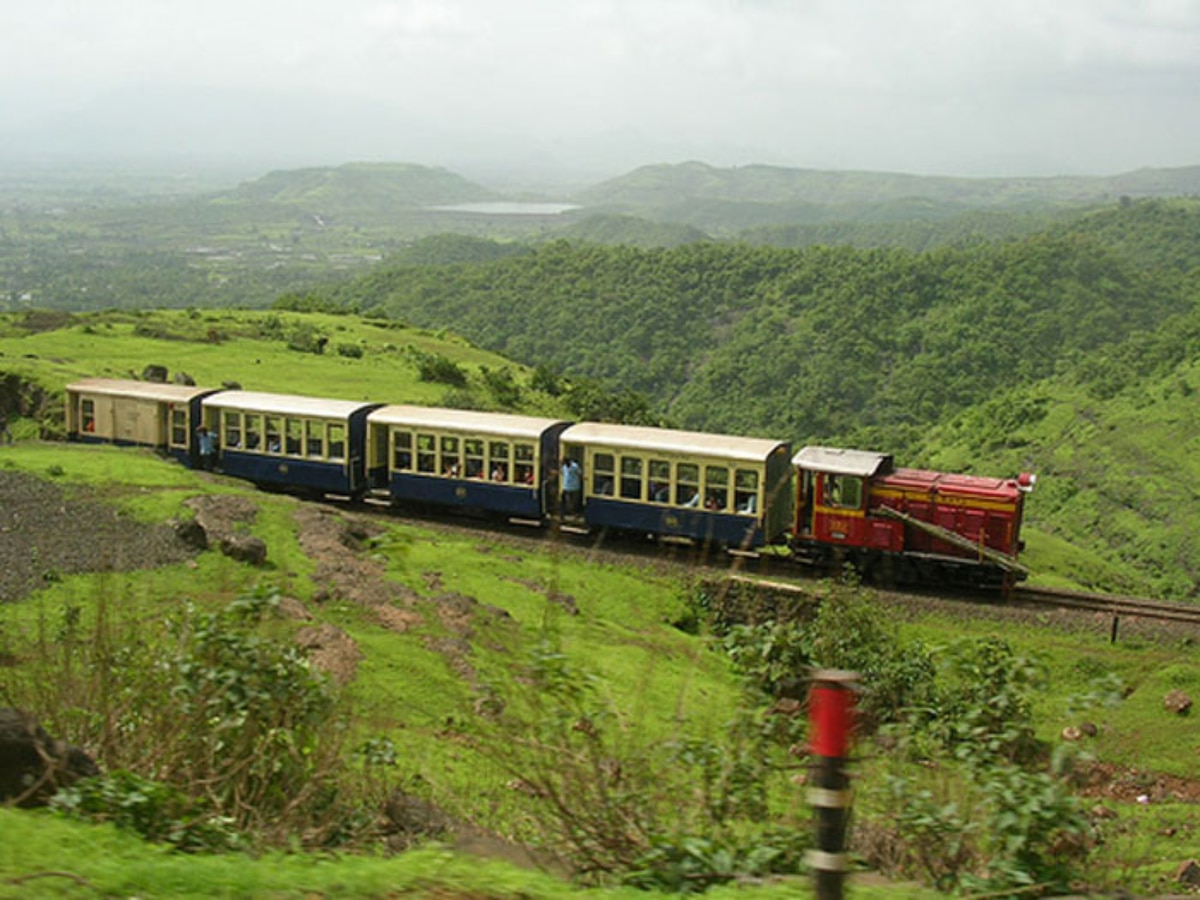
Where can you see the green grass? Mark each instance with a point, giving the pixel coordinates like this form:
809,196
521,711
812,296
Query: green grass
250,348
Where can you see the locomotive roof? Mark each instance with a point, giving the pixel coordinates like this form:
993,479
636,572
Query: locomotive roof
840,461
689,443
286,404
145,390
483,423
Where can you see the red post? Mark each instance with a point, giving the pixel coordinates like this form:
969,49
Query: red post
831,703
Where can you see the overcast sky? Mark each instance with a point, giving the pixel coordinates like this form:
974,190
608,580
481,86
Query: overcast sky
967,87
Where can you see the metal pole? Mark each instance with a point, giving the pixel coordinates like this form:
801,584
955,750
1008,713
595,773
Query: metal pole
831,717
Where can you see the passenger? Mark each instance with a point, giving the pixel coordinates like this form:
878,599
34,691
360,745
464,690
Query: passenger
4,432
207,443
572,487
500,472
750,507
451,470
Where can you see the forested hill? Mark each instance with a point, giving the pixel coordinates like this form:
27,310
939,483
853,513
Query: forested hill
816,343
1073,352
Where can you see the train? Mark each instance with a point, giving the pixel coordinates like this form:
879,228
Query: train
823,506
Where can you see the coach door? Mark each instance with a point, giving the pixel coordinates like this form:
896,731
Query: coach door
805,505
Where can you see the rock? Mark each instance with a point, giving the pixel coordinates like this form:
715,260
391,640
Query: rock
1177,702
1089,728
193,534
408,818
157,374
1071,733
184,378
1188,872
33,765
245,548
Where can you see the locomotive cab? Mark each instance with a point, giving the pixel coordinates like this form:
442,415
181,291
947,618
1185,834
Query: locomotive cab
832,487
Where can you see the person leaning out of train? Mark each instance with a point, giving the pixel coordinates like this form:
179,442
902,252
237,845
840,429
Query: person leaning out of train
206,441
572,487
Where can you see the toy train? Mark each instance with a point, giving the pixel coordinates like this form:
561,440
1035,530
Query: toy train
828,506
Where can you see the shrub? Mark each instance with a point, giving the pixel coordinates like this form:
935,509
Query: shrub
435,367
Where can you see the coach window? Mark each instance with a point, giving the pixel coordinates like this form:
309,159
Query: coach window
232,437
293,430
524,463
603,474
253,431
687,484
473,457
716,487
402,455
337,441
843,491
660,481
179,429
745,491
451,464
274,434
87,413
427,454
631,478
498,456
314,443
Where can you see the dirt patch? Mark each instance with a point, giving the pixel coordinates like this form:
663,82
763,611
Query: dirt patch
1124,785
45,535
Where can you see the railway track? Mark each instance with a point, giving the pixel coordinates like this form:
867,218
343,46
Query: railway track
1116,606
759,570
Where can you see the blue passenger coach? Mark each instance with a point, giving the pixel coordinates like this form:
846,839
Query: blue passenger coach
494,462
710,488
305,443
142,413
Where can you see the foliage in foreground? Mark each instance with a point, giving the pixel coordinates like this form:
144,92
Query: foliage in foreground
229,739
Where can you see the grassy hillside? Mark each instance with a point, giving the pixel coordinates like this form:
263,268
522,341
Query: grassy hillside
267,351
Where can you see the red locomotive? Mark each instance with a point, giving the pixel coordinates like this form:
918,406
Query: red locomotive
907,525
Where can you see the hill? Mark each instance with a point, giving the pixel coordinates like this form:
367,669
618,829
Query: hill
91,239
726,199
869,348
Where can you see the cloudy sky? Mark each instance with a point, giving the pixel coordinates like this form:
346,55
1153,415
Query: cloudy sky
963,87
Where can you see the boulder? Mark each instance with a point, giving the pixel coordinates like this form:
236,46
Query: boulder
157,374
1177,702
1188,873
245,548
192,534
33,765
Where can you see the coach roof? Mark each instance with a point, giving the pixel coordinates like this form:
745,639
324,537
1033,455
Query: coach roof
464,420
286,404
663,440
145,390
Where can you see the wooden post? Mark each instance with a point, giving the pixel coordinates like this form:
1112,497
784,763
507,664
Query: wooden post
831,718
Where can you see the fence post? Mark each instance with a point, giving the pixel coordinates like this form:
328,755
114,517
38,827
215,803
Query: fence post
831,703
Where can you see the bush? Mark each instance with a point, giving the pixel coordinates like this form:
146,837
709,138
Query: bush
436,368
